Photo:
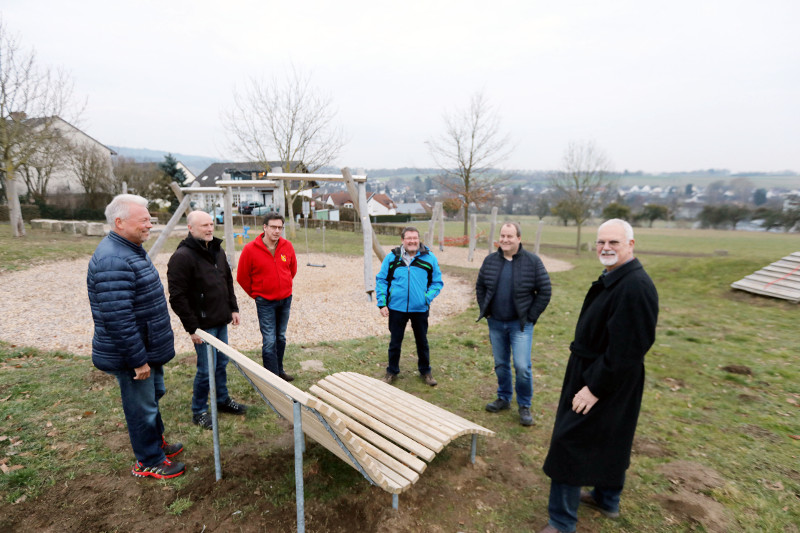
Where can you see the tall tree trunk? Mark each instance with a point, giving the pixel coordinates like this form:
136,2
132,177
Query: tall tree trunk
578,244
14,209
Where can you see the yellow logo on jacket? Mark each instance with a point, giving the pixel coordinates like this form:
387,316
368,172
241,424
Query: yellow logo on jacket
283,257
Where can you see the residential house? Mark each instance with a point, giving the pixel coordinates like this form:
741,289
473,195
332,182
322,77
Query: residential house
269,194
60,163
377,203
414,208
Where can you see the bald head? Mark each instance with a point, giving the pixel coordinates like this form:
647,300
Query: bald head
201,226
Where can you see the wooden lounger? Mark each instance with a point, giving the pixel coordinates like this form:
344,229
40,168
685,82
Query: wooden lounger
381,431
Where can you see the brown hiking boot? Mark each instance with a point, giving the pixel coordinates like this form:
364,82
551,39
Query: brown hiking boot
428,378
389,378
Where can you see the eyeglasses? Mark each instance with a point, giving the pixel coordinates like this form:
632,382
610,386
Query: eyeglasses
612,244
274,228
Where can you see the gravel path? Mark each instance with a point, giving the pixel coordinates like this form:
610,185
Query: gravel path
47,306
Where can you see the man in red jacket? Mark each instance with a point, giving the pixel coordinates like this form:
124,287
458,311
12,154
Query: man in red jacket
266,269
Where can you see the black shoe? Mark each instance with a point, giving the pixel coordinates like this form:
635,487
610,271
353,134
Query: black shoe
525,417
165,470
171,450
497,405
286,377
389,378
231,407
588,501
203,420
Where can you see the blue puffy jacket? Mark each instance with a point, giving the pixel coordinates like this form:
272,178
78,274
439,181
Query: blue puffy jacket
131,320
409,289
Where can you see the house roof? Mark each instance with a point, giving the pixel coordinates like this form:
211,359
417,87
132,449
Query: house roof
210,176
413,208
37,121
383,199
339,198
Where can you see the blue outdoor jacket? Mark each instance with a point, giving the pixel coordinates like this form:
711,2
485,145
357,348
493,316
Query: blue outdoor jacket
409,289
131,320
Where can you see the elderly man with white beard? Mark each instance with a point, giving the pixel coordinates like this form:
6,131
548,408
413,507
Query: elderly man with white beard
602,391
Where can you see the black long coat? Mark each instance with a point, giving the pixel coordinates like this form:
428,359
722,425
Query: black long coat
616,327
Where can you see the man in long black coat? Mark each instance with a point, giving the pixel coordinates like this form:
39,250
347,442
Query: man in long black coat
602,391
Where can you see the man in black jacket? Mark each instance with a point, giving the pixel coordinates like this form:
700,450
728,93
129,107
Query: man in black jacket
602,390
201,294
513,289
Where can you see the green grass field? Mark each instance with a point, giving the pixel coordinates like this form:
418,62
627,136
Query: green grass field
58,413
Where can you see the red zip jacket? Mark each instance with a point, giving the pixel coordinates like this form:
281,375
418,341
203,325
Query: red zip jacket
262,274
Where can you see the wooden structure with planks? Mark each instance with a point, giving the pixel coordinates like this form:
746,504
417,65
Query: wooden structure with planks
383,432
781,279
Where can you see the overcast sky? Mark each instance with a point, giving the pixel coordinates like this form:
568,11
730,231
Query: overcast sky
659,85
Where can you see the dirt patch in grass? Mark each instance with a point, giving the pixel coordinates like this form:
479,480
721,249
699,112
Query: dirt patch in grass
689,501
256,494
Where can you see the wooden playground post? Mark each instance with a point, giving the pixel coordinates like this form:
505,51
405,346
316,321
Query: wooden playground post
491,231
473,236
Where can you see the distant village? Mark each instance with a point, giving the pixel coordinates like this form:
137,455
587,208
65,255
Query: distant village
83,181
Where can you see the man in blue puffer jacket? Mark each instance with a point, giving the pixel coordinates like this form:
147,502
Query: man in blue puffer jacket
406,285
132,332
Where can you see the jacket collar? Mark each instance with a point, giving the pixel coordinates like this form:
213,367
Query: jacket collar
116,237
617,274
519,251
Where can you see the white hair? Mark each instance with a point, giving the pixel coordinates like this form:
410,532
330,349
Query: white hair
618,221
119,208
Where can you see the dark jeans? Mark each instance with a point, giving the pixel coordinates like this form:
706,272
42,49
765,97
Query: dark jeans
140,404
273,317
200,394
397,327
565,499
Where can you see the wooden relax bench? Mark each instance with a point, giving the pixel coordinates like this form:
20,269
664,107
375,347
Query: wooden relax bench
383,432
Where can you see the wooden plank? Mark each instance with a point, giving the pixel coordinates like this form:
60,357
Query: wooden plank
382,416
371,437
778,287
422,412
770,278
379,427
392,409
409,399
262,373
757,288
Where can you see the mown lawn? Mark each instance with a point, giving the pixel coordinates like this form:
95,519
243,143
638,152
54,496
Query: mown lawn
722,393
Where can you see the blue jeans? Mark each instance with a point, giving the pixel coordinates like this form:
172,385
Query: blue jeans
140,404
508,339
565,499
200,394
397,328
273,317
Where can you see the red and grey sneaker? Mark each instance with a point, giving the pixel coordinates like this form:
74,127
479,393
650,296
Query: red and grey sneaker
171,450
165,470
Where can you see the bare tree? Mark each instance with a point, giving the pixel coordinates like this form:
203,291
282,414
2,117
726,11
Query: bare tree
468,152
287,119
141,178
93,169
47,158
581,182
26,90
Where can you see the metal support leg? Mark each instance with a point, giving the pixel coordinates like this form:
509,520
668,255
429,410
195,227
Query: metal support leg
299,445
212,387
473,448
395,501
